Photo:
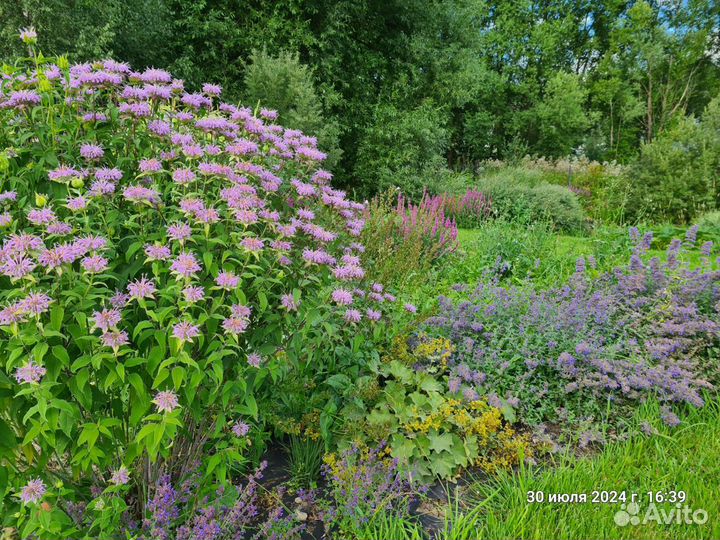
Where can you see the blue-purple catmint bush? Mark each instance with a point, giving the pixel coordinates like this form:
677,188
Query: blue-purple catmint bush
165,259
585,349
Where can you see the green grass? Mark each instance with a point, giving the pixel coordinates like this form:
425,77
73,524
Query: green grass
686,458
305,457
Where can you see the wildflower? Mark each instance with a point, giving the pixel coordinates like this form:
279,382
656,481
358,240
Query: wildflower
318,257
669,417
212,89
101,187
348,272
183,176
179,232
33,491
288,302
240,429
153,75
353,316
227,280
114,339
119,300
706,248
141,288
23,98
30,373
269,114
109,174
94,264
120,477
207,215
254,360
59,228
106,319
91,152
373,315
308,215
157,253
150,165
238,310
410,308
28,35
141,194
252,244
193,293
76,203
235,325
35,303
342,297
166,401
41,216
186,331
185,265
159,127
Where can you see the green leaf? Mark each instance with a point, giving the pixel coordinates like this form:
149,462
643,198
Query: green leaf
178,376
56,317
262,299
7,436
441,442
339,381
89,435
61,354
161,376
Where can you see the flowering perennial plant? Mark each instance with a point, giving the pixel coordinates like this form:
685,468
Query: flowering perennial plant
165,257
364,482
467,211
430,220
575,350
403,240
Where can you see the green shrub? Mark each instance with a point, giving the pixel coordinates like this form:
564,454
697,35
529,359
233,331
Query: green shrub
709,219
429,429
675,177
527,203
166,267
559,206
404,149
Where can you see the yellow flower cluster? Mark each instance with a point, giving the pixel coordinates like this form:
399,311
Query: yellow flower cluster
437,350
346,473
400,351
476,418
498,445
306,426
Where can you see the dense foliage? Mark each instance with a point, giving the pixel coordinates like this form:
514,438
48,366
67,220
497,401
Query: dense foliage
577,352
199,337
167,259
417,87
